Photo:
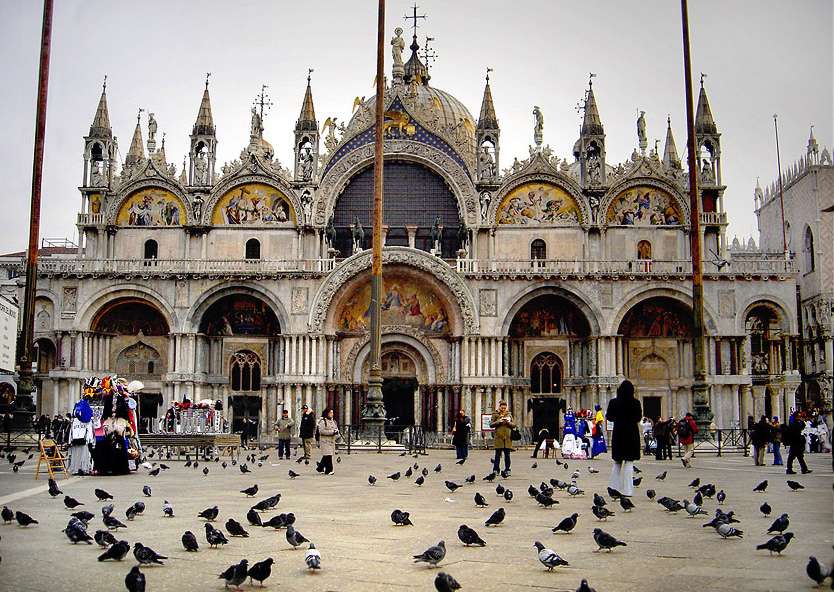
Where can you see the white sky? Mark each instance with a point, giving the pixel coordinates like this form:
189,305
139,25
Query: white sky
761,56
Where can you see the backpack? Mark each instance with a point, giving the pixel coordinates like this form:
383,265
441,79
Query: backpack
684,429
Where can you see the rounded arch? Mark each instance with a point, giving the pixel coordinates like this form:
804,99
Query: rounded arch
776,305
431,358
630,301
558,180
321,311
592,315
129,190
452,172
546,373
654,183
233,182
130,316
193,318
92,305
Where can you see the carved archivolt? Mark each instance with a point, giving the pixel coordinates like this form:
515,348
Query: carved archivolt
125,191
391,256
338,176
260,175
538,174
436,359
641,181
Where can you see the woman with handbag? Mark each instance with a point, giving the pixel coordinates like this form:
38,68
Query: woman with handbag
328,431
504,426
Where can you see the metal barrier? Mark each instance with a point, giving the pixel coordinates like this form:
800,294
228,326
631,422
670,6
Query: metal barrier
410,439
729,441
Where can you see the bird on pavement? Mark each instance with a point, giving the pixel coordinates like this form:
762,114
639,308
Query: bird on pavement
146,556
424,472
761,487
261,570
650,493
606,541
394,476
433,555
585,587
24,519
210,514
573,490
468,536
294,537
636,481
548,557
400,518
601,512
698,500
409,472
131,512
254,518
496,518
794,485
71,502
236,574
727,530
545,500
312,557
250,491
593,471
662,476
765,509
102,495
695,482
480,500
721,496
693,509
84,516
116,551
508,495
146,490
53,488
451,485
599,500
438,468
7,515
443,582
371,480
292,474
777,544
626,504
104,538
154,472
113,523
167,509
235,529
189,541
215,537
419,480
567,524
779,525
135,580
815,571
461,461
490,477
76,532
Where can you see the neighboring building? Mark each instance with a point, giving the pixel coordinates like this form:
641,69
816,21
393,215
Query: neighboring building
808,189
543,283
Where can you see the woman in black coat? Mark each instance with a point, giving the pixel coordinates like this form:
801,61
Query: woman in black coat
625,412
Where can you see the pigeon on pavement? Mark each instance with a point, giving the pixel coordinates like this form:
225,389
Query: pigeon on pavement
102,495
496,518
167,509
394,476
721,496
480,501
433,555
567,524
7,515
443,582
419,480
210,514
146,490
215,537
71,502
261,570
189,541
250,492
292,474
584,587
24,519
662,476
371,480
135,580
508,495
695,482
468,536
794,485
53,488
400,518
651,493
235,529
312,557
727,531
236,574
113,523
606,541
116,551
84,516
104,538
601,512
146,556
761,487
779,525
545,500
599,500
693,509
452,486
548,557
76,532
815,571
626,504
777,544
294,537
765,509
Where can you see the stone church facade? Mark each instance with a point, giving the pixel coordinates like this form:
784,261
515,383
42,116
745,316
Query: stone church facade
544,283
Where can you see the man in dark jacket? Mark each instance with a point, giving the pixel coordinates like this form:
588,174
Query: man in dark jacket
795,440
307,432
460,435
759,437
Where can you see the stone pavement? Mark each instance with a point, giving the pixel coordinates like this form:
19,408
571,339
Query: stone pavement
362,550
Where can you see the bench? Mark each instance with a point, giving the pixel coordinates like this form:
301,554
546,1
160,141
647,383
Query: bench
227,444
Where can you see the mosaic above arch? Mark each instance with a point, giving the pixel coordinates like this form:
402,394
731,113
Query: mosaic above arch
252,204
644,206
152,206
538,203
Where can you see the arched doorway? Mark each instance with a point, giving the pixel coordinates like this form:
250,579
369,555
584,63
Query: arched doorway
546,371
399,381
245,401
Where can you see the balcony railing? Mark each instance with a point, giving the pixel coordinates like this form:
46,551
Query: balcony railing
713,217
764,265
90,219
183,266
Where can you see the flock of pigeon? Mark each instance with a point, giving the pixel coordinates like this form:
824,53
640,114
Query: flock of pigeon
545,495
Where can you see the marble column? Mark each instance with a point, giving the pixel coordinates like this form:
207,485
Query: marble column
418,406
478,395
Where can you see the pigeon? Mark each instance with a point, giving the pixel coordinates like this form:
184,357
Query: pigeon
154,472
574,490
424,472
480,501
593,471
76,532
779,525
637,471
409,472
815,571
452,486
7,515
146,556
468,536
261,570
394,476
71,503
585,587
166,467
135,580
601,512
535,465
662,476
693,509
707,490
215,537
567,524
292,474
698,500
461,461
599,500
761,487
189,541
548,557
443,582
85,517
101,495
721,496
794,485
613,493
53,488
244,468
671,505
117,551
438,468
235,574
545,500
499,489
276,522
695,482
727,531
433,555
206,471
250,491
400,518
636,481
626,504
605,540
508,495
113,523
650,493
146,490
254,518
777,544
728,517
371,480
312,557
419,480
235,529
210,514
496,518
294,537
489,478
24,519
167,509
130,513
104,538
532,491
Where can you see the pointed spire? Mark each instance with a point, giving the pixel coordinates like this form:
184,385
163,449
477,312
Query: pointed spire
204,126
183,177
415,70
704,123
591,124
136,153
670,151
307,117
101,121
487,119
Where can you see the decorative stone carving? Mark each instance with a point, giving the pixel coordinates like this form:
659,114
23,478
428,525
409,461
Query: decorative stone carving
488,302
115,204
392,256
538,127
437,360
645,178
69,302
727,304
298,300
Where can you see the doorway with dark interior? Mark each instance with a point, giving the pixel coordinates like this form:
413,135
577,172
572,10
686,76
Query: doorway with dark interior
546,415
246,412
651,407
398,396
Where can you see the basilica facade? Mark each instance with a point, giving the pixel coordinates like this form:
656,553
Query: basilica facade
539,279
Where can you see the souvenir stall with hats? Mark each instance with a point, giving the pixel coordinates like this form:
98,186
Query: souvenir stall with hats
112,401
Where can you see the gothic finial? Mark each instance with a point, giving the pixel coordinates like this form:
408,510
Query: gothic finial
702,79
163,141
668,121
309,72
208,75
591,77
104,84
429,55
488,70
139,115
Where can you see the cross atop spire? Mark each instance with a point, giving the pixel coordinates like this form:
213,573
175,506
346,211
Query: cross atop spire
704,122
307,118
591,122
204,125
414,17
429,55
101,120
263,100
208,75
487,119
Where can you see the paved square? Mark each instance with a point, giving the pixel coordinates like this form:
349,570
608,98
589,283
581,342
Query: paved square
362,550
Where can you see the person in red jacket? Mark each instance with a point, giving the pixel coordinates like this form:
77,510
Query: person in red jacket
687,428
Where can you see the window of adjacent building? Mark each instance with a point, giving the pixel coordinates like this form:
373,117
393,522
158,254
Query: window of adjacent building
546,374
245,372
809,251
538,249
253,249
151,249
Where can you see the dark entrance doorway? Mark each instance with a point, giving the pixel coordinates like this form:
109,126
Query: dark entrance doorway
651,407
398,396
546,415
149,404
246,411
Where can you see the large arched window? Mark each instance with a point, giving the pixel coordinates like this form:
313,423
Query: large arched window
809,250
245,371
151,252
546,374
538,249
253,249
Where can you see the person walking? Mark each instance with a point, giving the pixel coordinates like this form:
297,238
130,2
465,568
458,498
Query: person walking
793,438
759,437
663,434
687,428
503,424
541,439
81,439
307,432
460,435
624,412
598,433
328,432
646,427
776,441
283,428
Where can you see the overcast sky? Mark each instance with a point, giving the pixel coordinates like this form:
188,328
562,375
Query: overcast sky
761,57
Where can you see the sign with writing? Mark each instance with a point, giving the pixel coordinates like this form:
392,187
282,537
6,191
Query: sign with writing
486,420
8,335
